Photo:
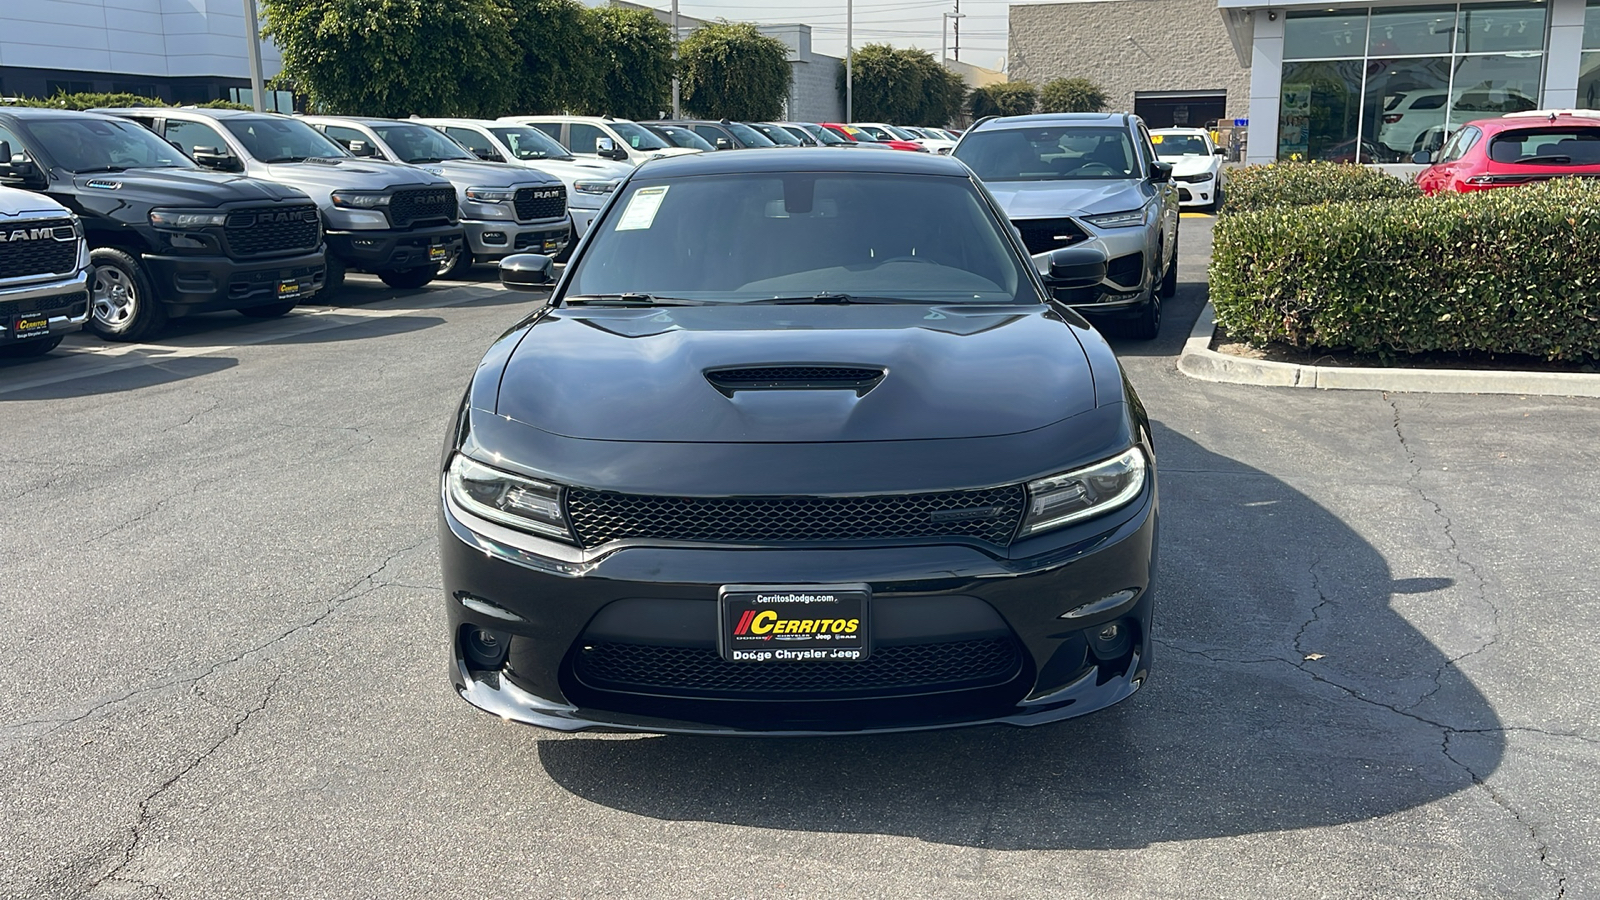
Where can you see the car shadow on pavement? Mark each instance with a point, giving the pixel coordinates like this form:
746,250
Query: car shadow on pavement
1286,693
132,378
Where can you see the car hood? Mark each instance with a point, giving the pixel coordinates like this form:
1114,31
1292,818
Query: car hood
478,173
14,202
599,169
1190,165
670,151
171,187
334,174
952,372
1047,199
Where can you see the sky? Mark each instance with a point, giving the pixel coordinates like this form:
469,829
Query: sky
903,23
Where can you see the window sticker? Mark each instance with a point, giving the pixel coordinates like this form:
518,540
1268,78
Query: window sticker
1156,138
642,208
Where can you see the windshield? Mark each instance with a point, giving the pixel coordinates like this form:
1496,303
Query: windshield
530,143
1568,146
825,136
273,140
1179,145
637,136
99,145
683,137
419,143
900,133
861,137
750,136
1050,154
777,135
751,237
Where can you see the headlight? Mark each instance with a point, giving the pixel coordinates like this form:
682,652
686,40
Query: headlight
594,187
177,218
512,500
1091,491
491,195
1202,177
360,199
1117,219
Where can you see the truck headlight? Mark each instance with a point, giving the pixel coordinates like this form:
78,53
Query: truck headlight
182,218
1117,219
1090,491
594,187
491,195
512,500
360,200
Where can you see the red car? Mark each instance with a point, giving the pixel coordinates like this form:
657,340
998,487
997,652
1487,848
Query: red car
856,135
1517,149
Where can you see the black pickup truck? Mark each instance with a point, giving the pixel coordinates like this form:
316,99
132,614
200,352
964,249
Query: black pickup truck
166,238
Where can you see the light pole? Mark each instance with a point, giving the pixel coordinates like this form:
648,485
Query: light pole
849,50
252,41
944,34
676,114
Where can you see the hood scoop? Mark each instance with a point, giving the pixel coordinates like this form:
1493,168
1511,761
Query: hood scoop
860,379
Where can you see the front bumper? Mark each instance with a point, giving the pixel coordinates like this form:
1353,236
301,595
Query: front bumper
1196,193
581,220
63,303
372,251
195,284
490,240
924,599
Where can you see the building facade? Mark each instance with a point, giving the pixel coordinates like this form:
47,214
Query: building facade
188,52
1370,83
1170,61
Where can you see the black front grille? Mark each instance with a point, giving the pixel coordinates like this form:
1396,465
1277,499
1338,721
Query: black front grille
541,203
702,672
415,205
62,304
48,247
991,515
268,230
1044,235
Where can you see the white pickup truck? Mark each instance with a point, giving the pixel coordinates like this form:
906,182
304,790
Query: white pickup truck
44,274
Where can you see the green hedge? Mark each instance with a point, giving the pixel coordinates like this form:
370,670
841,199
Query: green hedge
1308,183
113,101
1514,271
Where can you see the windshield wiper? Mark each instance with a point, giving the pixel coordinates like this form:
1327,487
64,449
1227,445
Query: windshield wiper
284,159
100,169
1546,160
628,299
833,297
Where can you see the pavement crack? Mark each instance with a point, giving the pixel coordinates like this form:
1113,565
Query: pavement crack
1316,609
1541,846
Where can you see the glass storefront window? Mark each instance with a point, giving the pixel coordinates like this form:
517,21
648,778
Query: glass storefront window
1321,108
1589,66
1405,104
1324,35
1501,29
1488,87
1426,31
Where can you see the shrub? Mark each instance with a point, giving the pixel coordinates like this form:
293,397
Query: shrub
111,101
1070,95
1005,98
1307,183
1513,271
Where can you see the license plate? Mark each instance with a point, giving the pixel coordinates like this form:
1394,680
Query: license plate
551,244
437,253
29,326
288,289
794,623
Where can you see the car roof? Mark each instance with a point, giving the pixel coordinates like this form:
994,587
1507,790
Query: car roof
603,120
188,111
786,159
1530,123
1052,119
363,120
1199,131
44,112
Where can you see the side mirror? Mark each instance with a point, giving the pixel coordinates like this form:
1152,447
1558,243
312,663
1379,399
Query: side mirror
1160,172
606,148
362,149
214,158
17,170
527,271
724,144
1077,267
1220,151
1422,158
488,155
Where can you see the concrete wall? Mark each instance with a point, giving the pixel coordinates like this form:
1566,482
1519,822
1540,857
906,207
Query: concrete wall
1128,46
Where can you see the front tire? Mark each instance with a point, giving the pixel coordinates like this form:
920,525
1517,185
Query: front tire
122,303
333,278
457,267
30,349
406,279
1147,324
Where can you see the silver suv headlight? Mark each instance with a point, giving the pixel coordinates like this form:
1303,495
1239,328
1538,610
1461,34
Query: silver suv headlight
1070,497
360,199
1117,219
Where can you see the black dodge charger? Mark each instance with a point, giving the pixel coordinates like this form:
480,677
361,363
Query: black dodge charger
799,445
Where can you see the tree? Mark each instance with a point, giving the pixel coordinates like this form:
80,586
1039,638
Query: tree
1007,98
635,62
557,68
397,57
902,86
731,70
1072,95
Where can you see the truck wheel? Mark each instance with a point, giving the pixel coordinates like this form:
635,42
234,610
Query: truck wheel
414,277
122,304
333,279
457,267
269,311
28,349
1147,324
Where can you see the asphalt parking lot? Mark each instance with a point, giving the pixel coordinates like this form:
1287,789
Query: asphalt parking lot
225,669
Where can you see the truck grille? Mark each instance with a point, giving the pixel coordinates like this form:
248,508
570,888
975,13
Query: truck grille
272,229
28,250
991,515
1044,235
541,203
702,672
423,205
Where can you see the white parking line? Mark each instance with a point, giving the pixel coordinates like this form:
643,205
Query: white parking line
67,364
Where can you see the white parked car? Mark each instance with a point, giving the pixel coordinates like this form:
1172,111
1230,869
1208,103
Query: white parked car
1408,117
1196,164
931,138
589,179
602,137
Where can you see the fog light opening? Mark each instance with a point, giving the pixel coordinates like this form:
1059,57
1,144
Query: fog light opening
1111,641
485,648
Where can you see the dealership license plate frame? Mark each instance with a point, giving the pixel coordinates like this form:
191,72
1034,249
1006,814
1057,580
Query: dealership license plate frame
291,287
438,253
28,327
850,601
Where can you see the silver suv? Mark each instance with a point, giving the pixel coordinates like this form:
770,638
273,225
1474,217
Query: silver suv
1093,179
396,221
504,209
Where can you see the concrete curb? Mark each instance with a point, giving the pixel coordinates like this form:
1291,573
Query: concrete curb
1200,362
